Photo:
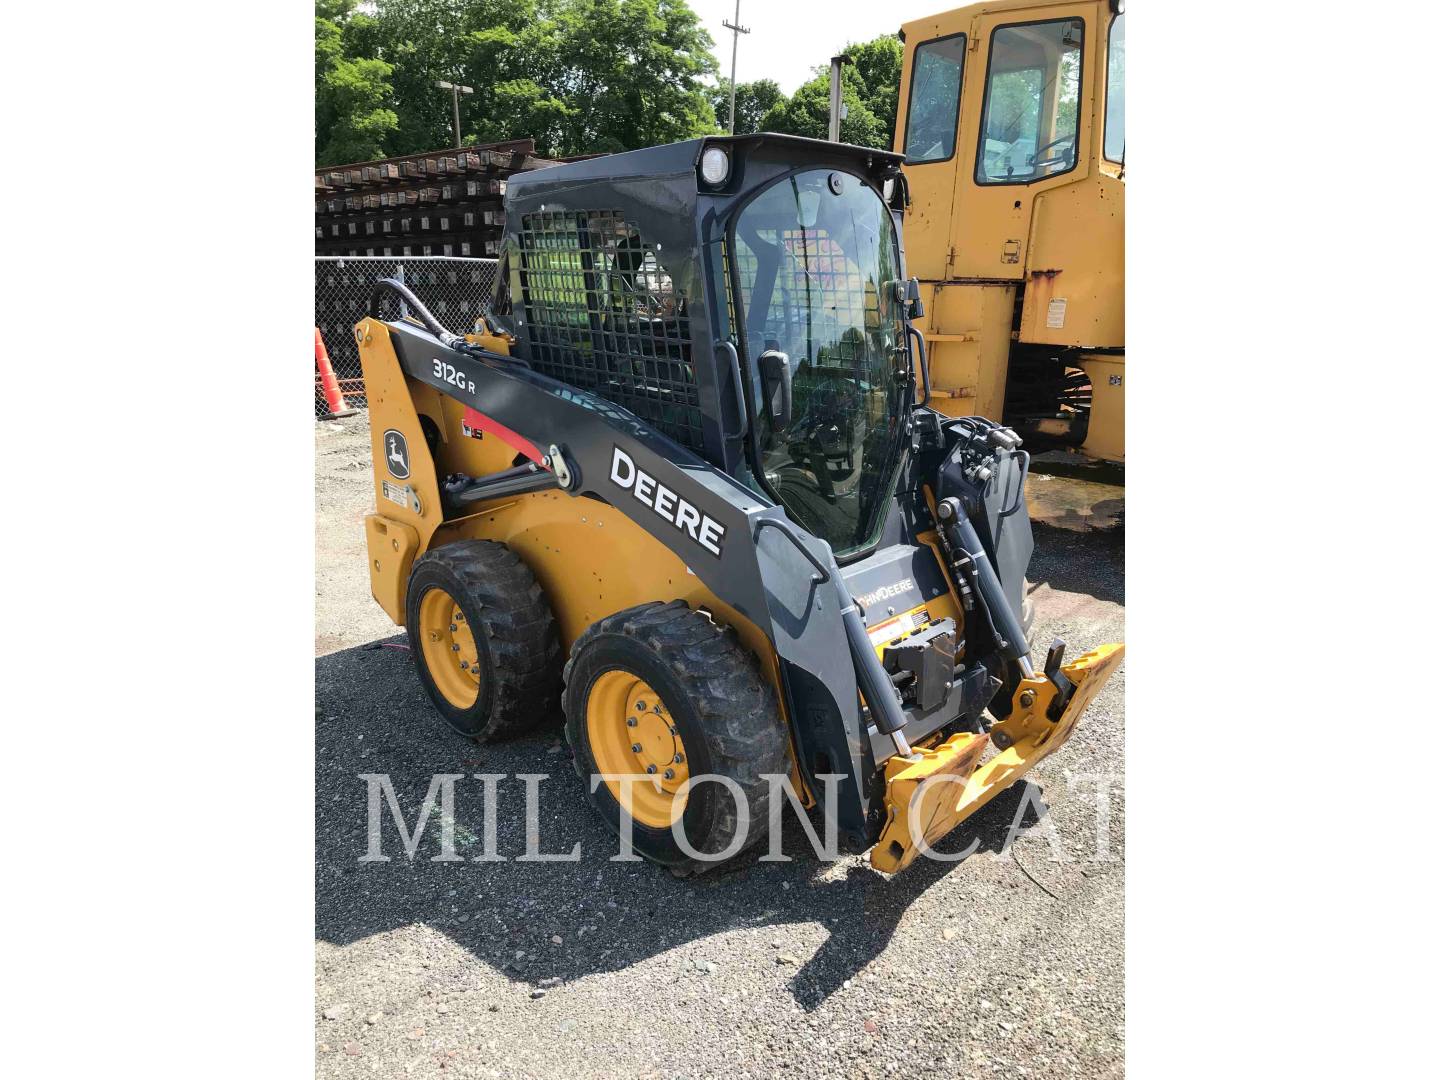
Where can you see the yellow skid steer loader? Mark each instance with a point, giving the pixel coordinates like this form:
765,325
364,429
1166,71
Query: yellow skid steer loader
682,482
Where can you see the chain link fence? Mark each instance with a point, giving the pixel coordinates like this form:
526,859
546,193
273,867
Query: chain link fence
455,290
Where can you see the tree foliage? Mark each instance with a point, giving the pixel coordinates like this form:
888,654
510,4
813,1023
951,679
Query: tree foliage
753,101
577,76
869,88
352,91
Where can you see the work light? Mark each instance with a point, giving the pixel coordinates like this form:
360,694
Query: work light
714,165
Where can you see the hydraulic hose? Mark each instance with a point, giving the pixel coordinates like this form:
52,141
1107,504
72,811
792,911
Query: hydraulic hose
422,313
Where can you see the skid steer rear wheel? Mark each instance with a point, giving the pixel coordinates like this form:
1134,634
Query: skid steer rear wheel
483,639
660,693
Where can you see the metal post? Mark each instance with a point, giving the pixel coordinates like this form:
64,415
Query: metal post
837,106
456,90
735,31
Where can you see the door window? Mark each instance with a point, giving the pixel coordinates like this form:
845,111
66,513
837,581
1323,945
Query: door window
931,119
1032,102
1115,93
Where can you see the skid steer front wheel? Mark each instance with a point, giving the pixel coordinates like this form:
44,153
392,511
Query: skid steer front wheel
660,695
483,639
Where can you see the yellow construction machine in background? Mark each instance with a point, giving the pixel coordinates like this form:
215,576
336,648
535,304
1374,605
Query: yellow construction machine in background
1012,123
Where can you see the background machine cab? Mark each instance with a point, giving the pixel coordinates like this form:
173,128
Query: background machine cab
1012,123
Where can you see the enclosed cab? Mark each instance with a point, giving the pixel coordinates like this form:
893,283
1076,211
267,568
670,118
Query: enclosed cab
1012,123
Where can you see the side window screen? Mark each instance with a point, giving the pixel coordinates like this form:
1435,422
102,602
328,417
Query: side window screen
603,314
934,110
1032,99
1115,93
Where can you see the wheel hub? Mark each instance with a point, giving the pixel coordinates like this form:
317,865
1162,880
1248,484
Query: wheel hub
451,655
632,734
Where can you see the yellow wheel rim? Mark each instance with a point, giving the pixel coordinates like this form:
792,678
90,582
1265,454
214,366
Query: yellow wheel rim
632,733
451,655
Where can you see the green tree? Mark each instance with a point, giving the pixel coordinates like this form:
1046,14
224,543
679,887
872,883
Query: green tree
753,101
503,49
877,67
631,73
352,92
578,76
807,112
869,87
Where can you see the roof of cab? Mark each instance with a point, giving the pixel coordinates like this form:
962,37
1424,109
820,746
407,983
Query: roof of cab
674,159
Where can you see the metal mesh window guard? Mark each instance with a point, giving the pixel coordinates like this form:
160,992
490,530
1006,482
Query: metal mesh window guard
455,290
603,314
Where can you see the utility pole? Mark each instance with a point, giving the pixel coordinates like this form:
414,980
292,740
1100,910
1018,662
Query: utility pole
456,89
837,106
735,31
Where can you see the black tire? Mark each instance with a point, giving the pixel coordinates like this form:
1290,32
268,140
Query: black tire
513,629
725,712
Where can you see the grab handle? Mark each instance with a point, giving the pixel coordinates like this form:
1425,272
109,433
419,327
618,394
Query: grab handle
822,573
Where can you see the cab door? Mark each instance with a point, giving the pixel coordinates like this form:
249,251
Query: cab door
927,133
1026,121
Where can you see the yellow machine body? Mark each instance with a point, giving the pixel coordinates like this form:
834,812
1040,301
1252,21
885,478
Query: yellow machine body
1012,269
593,561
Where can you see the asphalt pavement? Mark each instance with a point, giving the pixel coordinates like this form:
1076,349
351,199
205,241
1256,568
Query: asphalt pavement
1009,961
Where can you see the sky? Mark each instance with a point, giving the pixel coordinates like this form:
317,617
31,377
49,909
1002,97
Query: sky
789,38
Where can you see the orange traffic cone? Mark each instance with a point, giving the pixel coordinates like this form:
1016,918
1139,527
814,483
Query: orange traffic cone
334,399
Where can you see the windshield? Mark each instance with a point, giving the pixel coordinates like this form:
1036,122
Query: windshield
815,265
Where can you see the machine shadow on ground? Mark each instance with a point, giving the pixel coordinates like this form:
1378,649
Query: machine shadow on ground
372,717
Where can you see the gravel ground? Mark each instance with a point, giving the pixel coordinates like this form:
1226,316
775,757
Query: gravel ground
1008,962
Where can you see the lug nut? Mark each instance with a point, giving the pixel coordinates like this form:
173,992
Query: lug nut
453,628
630,721
679,759
1027,698
649,768
454,648
464,665
669,774
640,705
635,748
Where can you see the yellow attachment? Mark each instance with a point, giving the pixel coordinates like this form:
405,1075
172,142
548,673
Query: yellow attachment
928,796
632,734
451,655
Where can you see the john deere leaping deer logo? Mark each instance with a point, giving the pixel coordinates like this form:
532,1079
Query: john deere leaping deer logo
397,455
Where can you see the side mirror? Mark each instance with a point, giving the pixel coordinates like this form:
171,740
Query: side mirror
776,386
916,309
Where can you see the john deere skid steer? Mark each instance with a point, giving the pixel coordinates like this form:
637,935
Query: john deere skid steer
682,484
